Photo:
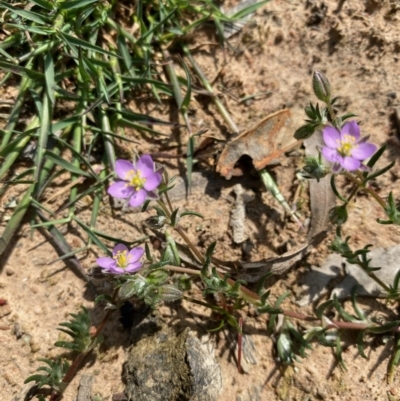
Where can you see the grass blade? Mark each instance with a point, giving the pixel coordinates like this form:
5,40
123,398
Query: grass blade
16,219
44,130
29,15
49,77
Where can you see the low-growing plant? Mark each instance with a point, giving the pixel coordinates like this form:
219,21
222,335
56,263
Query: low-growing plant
64,54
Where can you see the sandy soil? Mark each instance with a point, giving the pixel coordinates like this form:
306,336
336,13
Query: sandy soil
357,44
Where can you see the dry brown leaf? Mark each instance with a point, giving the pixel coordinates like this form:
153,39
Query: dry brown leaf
265,143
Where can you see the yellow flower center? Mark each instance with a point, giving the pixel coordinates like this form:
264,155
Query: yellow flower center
347,143
122,259
135,179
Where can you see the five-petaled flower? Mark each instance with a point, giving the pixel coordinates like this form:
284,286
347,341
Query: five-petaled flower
345,149
137,181
122,261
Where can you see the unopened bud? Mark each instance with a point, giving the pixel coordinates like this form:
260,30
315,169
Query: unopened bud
338,215
321,86
170,293
314,168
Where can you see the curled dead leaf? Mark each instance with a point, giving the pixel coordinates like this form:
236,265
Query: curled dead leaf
265,143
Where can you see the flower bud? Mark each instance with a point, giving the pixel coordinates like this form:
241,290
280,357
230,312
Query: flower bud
321,86
314,168
169,292
338,215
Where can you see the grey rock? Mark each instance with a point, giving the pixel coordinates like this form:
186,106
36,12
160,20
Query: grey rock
316,281
388,259
164,366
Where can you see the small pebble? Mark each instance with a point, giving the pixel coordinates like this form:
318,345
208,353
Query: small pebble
10,272
37,310
35,346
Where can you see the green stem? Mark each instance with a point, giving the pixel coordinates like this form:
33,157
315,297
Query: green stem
360,185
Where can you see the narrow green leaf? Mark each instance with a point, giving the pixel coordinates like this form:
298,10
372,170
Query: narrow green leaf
72,5
72,41
346,316
380,172
49,77
195,24
249,10
123,50
143,118
29,15
82,16
186,99
12,151
33,29
396,280
16,219
323,307
360,344
347,116
376,156
65,164
150,31
174,217
191,213
11,59
123,138
384,328
22,71
48,223
394,360
67,345
44,4
61,125
123,122
45,120
360,313
338,353
91,235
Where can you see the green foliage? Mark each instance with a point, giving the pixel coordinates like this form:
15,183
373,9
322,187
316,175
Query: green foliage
55,372
290,343
214,284
79,329
315,121
62,55
392,211
358,257
314,168
152,285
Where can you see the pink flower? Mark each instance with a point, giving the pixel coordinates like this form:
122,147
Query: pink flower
122,261
345,149
137,180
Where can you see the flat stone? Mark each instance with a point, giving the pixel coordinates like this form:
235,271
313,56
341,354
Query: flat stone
318,278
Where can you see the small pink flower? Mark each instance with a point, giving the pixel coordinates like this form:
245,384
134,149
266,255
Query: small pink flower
345,149
137,181
122,261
